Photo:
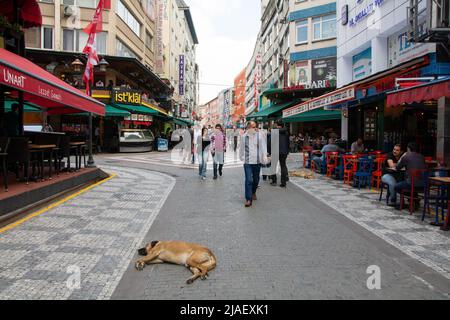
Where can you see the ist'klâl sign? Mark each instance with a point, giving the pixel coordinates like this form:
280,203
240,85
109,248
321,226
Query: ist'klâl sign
127,97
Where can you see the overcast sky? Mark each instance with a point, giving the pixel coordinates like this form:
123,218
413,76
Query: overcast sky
227,31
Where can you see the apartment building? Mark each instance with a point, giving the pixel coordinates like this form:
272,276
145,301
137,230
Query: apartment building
128,28
176,54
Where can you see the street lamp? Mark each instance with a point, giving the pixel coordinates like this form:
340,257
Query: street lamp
103,64
77,64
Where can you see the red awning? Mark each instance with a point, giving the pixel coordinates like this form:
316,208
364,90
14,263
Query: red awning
43,88
30,13
432,91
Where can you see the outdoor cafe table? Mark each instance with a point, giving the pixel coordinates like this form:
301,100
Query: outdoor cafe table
41,149
443,182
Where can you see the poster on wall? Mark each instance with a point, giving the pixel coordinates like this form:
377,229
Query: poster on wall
401,50
299,74
362,64
324,73
161,18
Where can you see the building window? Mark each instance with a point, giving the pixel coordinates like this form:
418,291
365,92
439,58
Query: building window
302,31
39,38
149,40
76,40
128,18
324,27
81,3
123,50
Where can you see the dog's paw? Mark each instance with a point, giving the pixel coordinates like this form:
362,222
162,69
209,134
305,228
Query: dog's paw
140,266
205,277
189,281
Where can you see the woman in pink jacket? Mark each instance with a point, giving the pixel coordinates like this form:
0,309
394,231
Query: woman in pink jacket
218,149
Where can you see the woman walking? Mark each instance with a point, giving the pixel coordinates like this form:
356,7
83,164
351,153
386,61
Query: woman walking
218,149
203,144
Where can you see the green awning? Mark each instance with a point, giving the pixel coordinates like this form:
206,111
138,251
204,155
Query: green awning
111,111
314,115
136,109
27,107
269,112
179,122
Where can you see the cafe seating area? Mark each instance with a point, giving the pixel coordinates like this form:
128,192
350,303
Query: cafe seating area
428,194
36,161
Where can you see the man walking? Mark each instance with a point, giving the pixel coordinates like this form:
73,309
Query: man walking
253,152
283,155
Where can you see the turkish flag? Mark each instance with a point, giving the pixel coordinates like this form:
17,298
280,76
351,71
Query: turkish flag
96,25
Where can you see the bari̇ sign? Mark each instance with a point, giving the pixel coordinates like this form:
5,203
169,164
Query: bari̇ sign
332,98
312,74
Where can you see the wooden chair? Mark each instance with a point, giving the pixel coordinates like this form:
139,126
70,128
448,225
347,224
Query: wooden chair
350,168
413,193
332,162
378,173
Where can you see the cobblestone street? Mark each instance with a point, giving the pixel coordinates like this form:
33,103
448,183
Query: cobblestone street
295,243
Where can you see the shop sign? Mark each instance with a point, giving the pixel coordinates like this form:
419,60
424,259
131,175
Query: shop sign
401,50
127,97
139,117
181,75
362,65
332,98
312,74
365,12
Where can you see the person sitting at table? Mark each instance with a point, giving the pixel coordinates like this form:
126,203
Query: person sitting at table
358,146
330,147
411,160
390,174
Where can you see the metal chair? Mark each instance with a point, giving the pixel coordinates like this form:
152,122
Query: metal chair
437,196
418,178
18,155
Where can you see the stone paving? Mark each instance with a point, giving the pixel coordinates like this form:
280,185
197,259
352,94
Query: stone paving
97,232
418,239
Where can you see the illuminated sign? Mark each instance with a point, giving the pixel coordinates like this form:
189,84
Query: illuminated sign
127,97
365,12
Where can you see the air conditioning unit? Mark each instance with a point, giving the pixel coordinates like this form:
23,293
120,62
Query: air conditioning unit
69,11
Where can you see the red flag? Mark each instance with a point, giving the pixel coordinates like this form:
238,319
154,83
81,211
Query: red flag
92,59
96,25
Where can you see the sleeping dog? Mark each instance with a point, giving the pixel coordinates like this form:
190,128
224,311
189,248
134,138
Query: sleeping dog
200,260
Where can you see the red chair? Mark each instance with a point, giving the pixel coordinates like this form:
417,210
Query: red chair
332,162
350,168
306,157
378,173
415,175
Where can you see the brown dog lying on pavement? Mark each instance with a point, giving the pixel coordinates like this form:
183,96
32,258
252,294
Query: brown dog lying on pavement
200,260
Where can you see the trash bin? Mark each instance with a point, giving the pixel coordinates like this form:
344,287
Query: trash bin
163,144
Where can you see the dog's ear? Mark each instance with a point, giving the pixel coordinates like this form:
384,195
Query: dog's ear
154,243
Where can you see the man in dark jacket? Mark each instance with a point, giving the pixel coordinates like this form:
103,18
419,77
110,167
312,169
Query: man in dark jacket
283,154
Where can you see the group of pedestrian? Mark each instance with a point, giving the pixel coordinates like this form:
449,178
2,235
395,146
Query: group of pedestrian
215,143
256,152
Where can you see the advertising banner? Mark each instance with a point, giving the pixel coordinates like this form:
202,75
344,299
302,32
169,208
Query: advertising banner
161,18
181,76
362,64
299,73
324,73
401,50
326,100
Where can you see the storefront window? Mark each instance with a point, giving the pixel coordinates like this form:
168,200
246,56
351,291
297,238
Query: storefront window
370,125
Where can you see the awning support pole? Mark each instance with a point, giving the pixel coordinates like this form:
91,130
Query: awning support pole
443,131
91,162
21,131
